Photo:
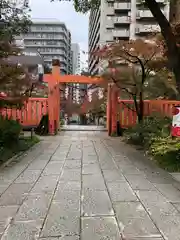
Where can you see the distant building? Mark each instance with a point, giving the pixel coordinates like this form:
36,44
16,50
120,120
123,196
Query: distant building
120,20
52,40
75,87
75,58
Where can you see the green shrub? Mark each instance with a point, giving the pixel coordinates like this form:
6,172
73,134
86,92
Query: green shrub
9,131
166,152
23,144
144,133
154,135
62,122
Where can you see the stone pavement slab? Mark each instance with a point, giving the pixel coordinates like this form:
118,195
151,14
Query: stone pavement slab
83,185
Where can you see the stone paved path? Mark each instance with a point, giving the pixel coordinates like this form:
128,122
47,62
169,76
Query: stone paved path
86,186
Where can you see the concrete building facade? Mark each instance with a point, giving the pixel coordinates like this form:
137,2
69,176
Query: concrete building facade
52,40
120,20
75,58
75,90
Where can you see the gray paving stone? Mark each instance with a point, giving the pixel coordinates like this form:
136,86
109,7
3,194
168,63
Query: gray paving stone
96,203
139,182
68,185
59,158
15,194
62,238
177,206
72,164
107,164
7,212
69,199
35,207
3,226
45,184
157,178
145,238
169,191
98,228
8,176
170,227
129,169
45,157
3,188
121,191
22,231
37,165
176,176
134,220
74,156
93,181
61,220
92,168
156,204
71,175
28,176
53,168
113,175
90,159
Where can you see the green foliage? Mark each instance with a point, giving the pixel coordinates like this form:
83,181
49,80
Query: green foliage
166,152
83,6
15,19
154,136
145,132
11,142
23,144
62,122
9,131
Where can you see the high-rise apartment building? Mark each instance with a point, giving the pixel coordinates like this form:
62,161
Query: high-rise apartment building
75,89
76,58
120,20
52,40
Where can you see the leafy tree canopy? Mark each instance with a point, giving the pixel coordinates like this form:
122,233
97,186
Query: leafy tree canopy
14,19
15,81
82,5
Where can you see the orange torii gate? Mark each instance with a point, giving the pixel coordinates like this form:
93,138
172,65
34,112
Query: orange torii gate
56,78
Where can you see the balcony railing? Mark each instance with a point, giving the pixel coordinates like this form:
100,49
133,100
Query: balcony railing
122,6
138,2
123,19
144,14
121,33
147,29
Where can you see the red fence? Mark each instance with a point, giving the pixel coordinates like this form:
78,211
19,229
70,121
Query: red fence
127,116
30,114
35,108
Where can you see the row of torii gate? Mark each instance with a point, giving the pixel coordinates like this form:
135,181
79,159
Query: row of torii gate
56,78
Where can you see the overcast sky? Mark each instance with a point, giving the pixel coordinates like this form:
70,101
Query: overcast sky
64,11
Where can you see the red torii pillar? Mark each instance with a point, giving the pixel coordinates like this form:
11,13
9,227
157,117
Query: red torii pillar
112,109
53,97
108,110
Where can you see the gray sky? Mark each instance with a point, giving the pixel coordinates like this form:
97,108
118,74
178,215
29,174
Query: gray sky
64,11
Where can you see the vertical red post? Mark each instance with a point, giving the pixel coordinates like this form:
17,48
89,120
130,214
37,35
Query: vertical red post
54,98
108,110
114,112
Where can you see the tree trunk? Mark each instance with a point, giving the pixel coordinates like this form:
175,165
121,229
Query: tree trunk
174,16
166,30
141,108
